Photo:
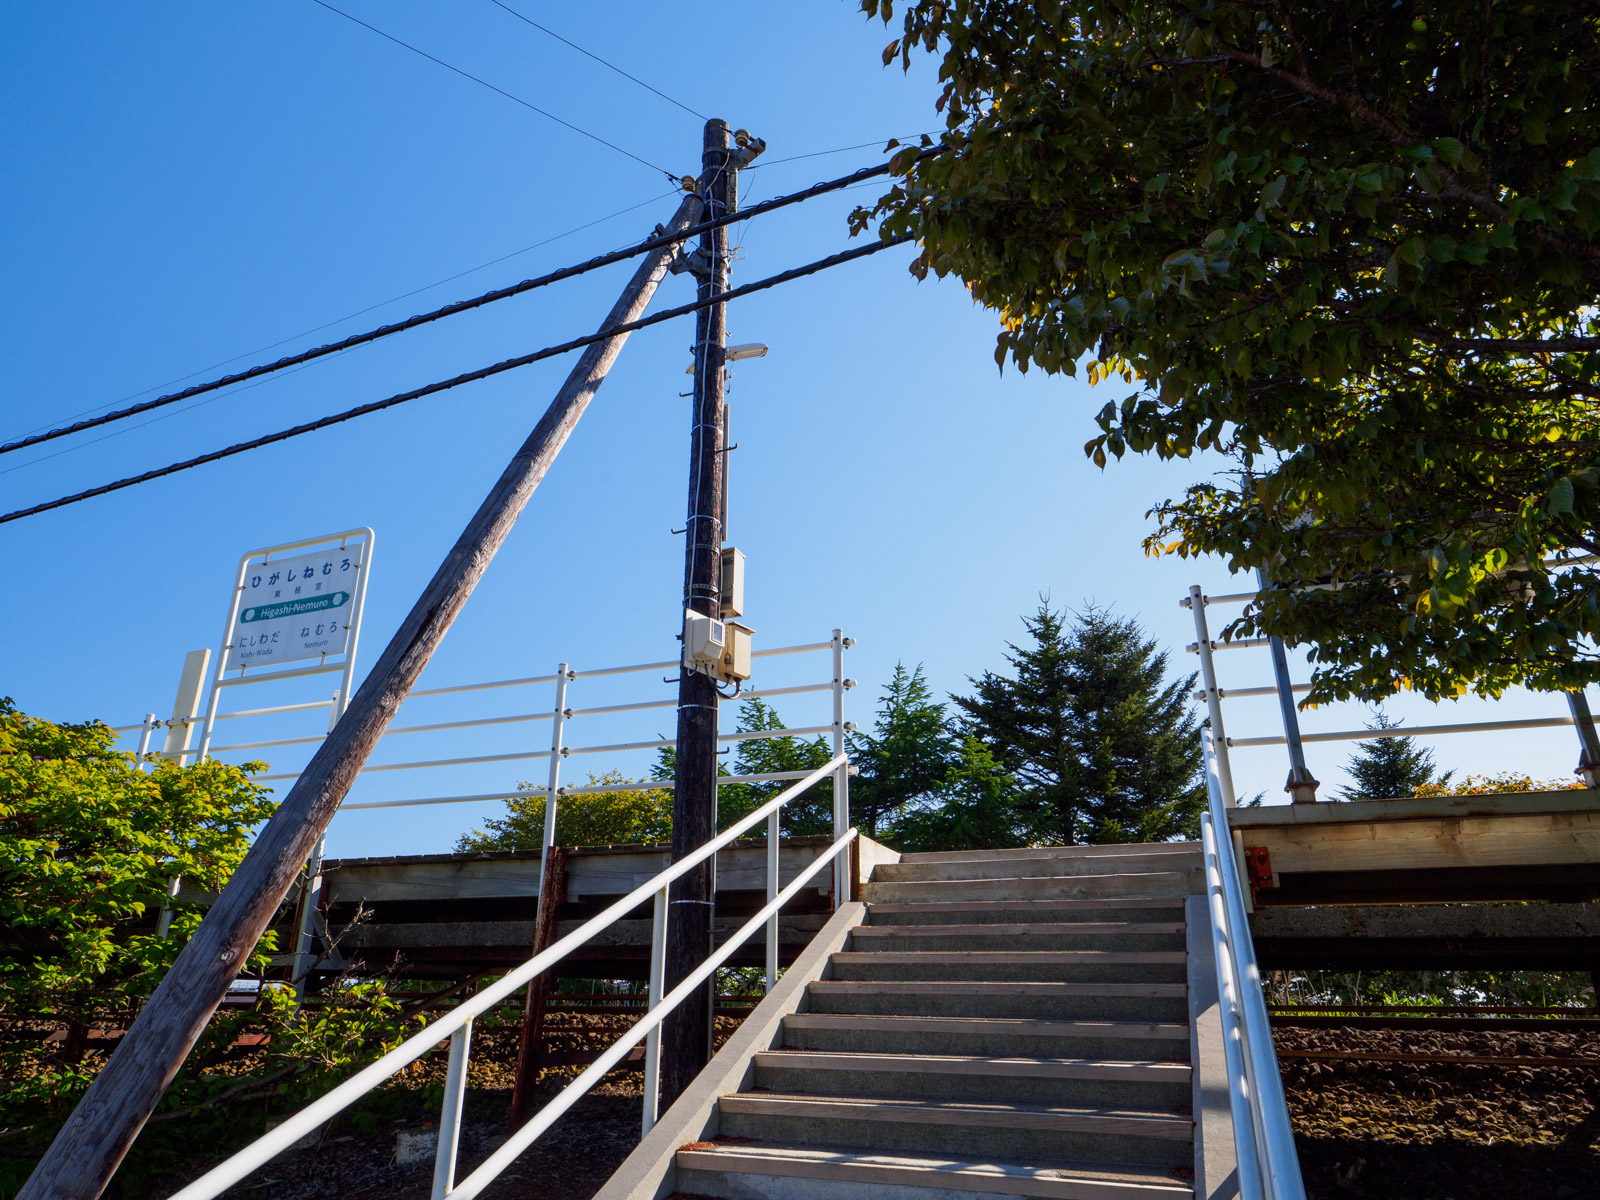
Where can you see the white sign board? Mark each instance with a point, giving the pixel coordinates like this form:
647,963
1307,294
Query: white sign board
295,607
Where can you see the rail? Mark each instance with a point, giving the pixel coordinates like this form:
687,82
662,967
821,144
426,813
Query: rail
457,1025
560,714
1269,1168
1301,785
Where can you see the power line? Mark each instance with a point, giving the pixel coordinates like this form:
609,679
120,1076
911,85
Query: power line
600,60
509,364
452,309
839,150
594,137
76,446
26,438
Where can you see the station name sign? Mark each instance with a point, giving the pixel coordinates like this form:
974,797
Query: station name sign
295,607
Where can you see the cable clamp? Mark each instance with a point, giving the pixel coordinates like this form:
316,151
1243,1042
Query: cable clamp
696,262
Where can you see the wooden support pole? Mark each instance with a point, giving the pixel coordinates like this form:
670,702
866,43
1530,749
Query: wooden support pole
686,1032
87,1151
530,1047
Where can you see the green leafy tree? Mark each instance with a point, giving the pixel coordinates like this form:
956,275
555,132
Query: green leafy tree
906,759
89,843
1102,747
622,818
1354,248
1389,768
975,808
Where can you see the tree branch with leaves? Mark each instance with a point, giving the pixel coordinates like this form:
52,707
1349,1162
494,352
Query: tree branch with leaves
1352,248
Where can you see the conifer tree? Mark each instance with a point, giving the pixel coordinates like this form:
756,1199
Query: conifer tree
976,808
905,759
1389,768
1102,747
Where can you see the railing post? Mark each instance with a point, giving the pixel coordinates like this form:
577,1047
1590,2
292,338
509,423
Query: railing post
658,983
150,724
309,901
1219,736
841,777
1208,678
455,1089
557,731
773,846
164,917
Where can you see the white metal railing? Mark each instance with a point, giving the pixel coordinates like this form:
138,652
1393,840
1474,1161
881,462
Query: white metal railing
457,1025
1268,1166
1301,785
560,715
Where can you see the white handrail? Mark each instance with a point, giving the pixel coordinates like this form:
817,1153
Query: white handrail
1369,735
569,1095
1269,1167
235,1168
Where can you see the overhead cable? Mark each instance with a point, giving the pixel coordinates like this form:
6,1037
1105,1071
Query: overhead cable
772,162
459,306
603,62
509,364
594,137
417,291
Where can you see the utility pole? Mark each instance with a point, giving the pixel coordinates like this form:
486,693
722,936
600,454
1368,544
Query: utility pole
686,1033
88,1148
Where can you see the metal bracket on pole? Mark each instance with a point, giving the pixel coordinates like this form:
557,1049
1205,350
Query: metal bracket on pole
1588,742
696,262
1301,784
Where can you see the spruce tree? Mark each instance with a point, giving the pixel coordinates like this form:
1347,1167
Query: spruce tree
976,809
905,759
1102,747
1389,768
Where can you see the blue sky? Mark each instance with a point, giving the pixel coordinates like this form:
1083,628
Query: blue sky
190,184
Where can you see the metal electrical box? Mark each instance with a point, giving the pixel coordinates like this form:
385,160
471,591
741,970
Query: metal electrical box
731,602
720,649
736,654
705,640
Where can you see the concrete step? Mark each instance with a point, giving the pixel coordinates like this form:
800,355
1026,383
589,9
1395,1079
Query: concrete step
1045,887
1016,912
1088,1083
989,998
1115,850
1009,1132
1030,935
753,1171
1061,966
1047,864
1005,1037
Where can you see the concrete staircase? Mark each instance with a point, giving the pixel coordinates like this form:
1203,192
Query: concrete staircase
1004,1023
